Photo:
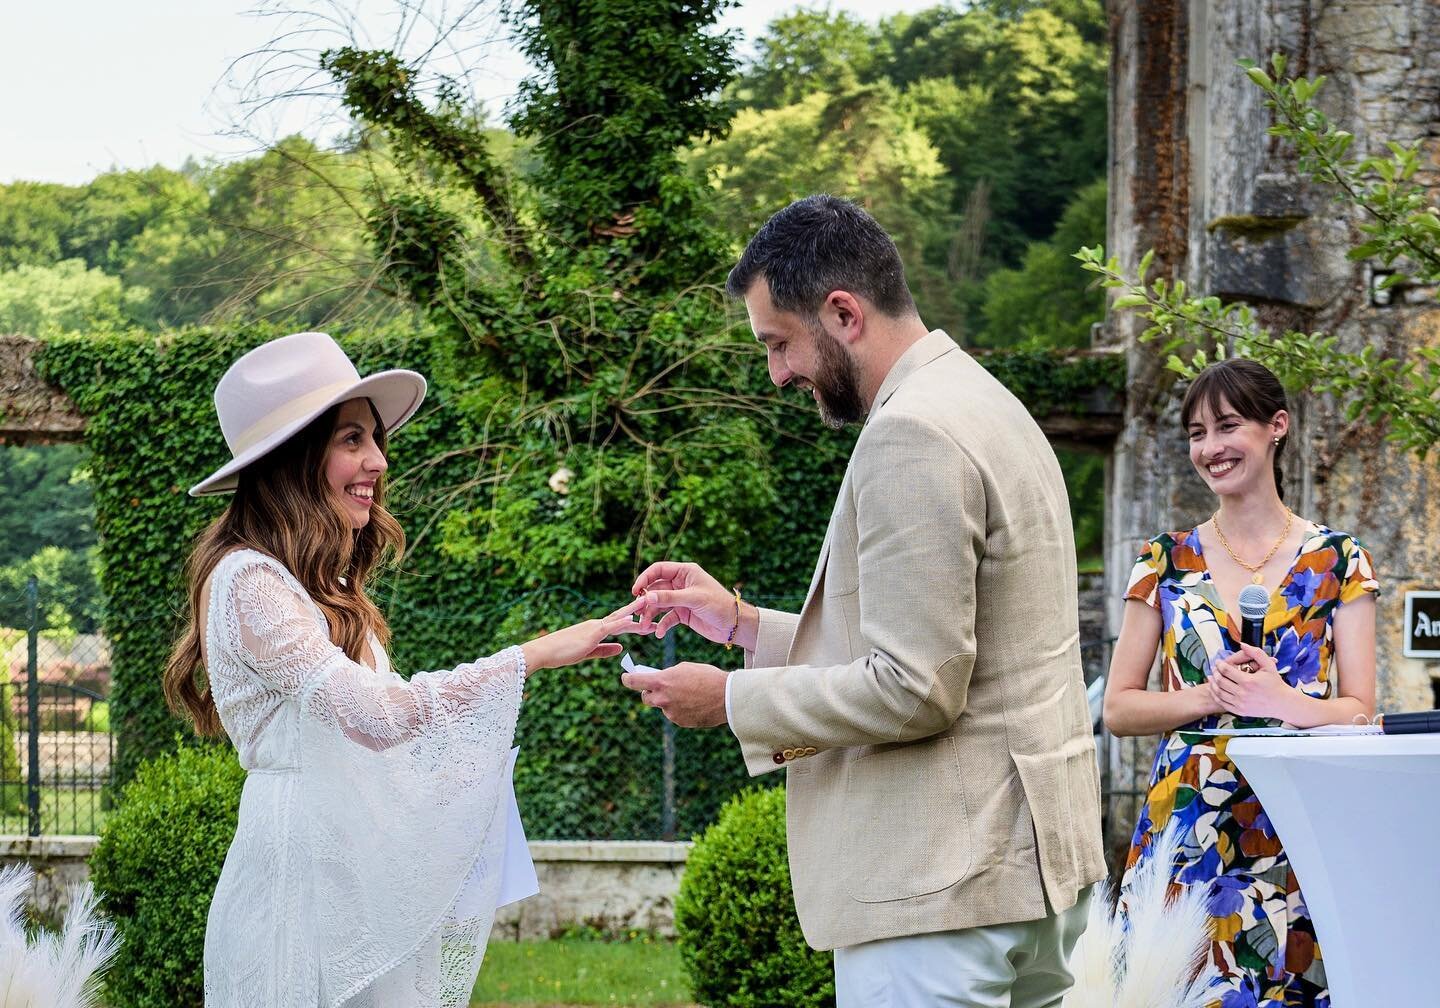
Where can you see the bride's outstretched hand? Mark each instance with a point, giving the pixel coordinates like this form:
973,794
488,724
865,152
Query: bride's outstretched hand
582,641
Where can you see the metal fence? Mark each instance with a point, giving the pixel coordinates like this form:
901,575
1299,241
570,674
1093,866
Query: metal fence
56,748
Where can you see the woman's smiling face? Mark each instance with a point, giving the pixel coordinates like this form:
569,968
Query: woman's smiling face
354,461
1233,454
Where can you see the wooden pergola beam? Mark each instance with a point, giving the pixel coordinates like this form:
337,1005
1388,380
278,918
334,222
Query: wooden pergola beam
32,411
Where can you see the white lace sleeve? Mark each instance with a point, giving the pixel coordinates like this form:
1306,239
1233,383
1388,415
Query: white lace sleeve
277,632
398,793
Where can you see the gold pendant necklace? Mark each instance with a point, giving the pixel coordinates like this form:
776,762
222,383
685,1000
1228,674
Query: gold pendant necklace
1256,577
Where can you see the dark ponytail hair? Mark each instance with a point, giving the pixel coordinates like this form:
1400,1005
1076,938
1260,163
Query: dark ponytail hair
1248,388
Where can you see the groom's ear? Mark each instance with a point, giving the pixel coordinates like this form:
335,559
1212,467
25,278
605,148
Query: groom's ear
842,316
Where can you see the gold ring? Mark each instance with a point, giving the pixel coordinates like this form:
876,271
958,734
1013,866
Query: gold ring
1247,667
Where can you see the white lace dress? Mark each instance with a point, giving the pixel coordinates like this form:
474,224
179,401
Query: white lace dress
369,812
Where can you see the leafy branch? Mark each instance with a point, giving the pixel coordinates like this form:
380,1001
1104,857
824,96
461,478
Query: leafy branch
1192,331
1401,222
1401,396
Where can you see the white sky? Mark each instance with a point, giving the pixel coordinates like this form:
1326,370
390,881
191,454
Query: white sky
90,85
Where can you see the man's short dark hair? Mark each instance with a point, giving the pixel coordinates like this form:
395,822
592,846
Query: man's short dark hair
818,245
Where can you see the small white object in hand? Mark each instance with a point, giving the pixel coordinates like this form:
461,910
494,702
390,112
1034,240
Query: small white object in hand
628,664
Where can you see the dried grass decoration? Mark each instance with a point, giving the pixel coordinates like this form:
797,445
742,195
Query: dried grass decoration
1154,956
48,970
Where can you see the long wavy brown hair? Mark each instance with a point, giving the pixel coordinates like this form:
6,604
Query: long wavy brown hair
284,508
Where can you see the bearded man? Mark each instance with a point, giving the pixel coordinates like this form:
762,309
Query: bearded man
928,700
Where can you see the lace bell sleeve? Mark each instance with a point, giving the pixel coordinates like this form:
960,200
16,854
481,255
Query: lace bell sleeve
399,787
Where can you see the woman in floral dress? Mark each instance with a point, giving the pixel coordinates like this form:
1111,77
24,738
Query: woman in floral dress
1317,668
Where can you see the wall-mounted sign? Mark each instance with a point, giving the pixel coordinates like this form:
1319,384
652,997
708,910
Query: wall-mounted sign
1422,624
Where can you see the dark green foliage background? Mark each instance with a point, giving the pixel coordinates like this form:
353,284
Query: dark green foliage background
740,940
156,868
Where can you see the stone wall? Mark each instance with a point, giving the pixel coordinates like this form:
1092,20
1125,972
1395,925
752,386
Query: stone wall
59,863
613,886
32,411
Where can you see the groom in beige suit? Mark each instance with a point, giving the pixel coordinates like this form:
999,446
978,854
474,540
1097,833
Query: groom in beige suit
927,701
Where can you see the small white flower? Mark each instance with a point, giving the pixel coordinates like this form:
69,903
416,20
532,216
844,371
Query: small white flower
560,480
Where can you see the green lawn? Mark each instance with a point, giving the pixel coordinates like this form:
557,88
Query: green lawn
578,971
62,811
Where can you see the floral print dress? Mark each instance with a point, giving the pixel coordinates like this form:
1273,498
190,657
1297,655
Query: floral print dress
1263,940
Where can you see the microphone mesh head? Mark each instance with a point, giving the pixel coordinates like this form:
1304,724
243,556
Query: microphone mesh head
1254,602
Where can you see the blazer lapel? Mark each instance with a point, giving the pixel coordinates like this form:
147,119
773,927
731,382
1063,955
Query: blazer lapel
818,578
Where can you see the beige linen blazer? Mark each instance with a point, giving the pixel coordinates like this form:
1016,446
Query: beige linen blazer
928,700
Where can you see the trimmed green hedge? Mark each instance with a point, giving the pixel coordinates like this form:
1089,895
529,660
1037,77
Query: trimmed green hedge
739,938
156,868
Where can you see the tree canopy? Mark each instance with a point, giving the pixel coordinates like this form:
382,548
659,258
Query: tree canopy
1008,98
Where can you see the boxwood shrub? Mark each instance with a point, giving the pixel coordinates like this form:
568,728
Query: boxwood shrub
739,938
156,867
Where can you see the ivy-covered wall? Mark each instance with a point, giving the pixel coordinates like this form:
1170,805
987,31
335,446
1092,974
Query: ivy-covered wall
591,763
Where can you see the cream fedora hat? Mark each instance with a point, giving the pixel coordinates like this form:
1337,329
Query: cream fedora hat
272,392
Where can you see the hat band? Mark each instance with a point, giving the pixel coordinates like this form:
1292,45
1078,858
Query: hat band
295,409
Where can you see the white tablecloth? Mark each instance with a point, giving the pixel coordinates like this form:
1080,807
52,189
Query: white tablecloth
1359,817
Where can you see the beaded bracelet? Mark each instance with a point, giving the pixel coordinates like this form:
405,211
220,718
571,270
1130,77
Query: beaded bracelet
730,640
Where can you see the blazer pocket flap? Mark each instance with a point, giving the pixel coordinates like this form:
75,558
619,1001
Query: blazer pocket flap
912,829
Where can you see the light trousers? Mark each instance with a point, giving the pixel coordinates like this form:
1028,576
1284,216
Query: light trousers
1024,965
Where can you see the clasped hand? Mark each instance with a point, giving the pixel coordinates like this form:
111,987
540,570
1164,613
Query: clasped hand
1248,683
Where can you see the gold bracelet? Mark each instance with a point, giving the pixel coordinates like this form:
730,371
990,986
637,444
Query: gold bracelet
730,640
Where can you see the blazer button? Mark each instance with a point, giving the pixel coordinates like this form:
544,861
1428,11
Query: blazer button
789,754
778,758
809,750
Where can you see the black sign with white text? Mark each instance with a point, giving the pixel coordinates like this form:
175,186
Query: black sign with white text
1422,624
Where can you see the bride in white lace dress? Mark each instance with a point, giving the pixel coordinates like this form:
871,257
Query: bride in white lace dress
364,870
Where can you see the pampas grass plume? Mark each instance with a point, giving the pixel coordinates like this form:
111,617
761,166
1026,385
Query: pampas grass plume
51,970
1155,960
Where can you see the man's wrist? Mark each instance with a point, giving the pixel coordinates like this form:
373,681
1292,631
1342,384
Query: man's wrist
747,631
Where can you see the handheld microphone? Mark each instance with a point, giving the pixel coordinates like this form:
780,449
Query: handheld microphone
1411,723
1254,604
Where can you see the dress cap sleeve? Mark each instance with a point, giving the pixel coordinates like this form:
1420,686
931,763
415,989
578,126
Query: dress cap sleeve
1144,582
1359,577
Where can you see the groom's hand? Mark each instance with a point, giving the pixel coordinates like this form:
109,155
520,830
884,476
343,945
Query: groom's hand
690,694
684,594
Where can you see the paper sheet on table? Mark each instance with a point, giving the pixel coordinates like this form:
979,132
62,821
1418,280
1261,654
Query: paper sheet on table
1334,729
